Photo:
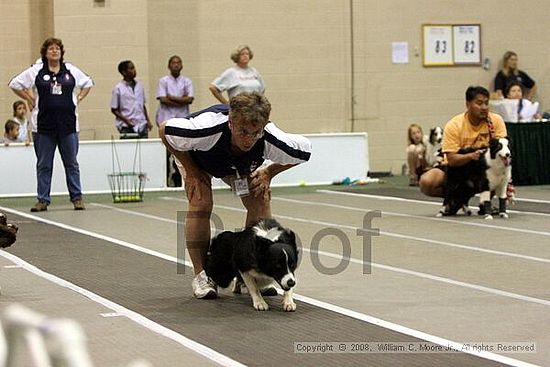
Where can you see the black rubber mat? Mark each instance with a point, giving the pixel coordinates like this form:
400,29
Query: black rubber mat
151,286
415,194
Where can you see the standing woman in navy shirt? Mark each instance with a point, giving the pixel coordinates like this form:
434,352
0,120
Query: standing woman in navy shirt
510,73
49,87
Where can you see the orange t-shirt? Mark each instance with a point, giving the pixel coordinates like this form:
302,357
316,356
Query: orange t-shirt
460,133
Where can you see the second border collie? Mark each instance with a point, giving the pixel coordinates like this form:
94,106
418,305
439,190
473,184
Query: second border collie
261,254
492,172
433,146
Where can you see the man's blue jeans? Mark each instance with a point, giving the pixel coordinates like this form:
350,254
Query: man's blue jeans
44,148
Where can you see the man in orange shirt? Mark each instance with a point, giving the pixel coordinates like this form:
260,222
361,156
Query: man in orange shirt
471,129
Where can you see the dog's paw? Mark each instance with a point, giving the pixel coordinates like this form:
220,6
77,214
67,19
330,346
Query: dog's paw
488,217
261,305
503,215
289,306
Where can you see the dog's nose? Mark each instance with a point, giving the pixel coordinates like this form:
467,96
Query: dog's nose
508,155
291,283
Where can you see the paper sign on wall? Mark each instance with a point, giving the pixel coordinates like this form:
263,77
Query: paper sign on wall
451,44
467,48
437,45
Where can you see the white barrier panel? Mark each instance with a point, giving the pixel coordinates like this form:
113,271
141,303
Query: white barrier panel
18,177
334,157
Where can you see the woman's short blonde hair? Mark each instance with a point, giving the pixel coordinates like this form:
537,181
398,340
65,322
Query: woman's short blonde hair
237,52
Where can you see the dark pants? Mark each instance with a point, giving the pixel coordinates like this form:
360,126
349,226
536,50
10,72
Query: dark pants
44,148
127,132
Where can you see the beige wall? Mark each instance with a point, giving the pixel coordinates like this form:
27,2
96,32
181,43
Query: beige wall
23,24
302,48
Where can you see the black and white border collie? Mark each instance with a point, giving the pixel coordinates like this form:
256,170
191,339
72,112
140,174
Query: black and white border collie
433,146
492,172
261,254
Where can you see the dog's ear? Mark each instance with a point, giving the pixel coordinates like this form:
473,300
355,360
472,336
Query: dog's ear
494,147
291,239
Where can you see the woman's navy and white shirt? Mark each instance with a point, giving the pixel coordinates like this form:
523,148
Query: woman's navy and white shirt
207,138
54,113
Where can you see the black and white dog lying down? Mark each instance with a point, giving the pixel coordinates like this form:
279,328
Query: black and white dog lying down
491,172
261,254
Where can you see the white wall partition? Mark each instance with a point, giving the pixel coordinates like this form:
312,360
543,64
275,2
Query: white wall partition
334,157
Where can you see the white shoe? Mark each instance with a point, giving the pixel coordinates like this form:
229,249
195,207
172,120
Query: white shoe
204,287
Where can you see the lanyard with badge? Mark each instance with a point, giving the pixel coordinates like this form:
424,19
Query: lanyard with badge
240,184
55,87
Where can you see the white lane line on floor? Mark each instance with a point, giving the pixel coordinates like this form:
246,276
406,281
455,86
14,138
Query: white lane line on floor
384,233
481,288
408,331
421,239
426,202
385,197
454,221
538,201
123,311
203,350
138,214
91,234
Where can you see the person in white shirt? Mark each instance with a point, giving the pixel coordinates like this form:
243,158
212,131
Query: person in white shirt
20,116
232,143
239,78
527,110
174,92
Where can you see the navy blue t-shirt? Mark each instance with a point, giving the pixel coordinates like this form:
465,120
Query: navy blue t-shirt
502,81
56,111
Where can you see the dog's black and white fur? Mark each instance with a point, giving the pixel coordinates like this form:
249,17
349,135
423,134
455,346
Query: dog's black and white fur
433,146
261,254
492,172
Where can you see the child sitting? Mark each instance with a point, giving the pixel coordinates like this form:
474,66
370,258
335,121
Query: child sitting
20,116
11,134
416,159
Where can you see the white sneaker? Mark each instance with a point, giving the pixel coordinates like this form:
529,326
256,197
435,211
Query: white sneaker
204,287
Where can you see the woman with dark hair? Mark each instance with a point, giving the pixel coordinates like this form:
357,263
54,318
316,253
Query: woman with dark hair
49,87
527,110
510,73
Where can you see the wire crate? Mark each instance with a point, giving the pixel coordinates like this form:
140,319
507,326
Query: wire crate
127,187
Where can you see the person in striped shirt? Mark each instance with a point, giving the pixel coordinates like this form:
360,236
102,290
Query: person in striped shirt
232,143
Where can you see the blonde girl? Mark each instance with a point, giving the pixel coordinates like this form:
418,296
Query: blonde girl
416,153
